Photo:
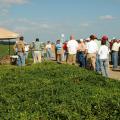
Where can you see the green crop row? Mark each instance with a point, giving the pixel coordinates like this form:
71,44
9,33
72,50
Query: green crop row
50,91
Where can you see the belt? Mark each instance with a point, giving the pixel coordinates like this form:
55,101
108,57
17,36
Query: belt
19,51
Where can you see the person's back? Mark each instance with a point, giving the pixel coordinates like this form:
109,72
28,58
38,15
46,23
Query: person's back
20,47
59,50
92,47
115,49
72,46
98,42
37,51
103,55
59,46
91,50
37,46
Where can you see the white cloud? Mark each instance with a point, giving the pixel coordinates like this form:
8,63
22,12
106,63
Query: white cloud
6,4
84,24
10,2
44,29
4,12
107,17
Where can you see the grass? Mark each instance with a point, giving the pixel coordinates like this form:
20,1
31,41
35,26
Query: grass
4,50
50,91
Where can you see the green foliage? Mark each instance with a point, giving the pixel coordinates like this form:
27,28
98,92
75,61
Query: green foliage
4,50
51,91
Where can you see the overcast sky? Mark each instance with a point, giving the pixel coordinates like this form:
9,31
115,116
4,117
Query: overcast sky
48,19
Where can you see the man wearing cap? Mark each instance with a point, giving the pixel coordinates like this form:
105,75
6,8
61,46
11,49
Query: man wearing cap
72,46
20,47
104,56
92,50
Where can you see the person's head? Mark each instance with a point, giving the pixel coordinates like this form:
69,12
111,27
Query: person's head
58,41
87,40
115,40
92,37
21,38
48,42
71,37
103,42
37,39
81,40
104,37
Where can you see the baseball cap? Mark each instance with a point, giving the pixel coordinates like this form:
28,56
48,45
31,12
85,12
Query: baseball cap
104,37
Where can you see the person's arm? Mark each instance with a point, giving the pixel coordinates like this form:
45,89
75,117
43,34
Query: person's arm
23,47
99,52
14,47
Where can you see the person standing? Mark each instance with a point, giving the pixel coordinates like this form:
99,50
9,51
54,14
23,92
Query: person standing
65,51
59,51
119,53
72,46
32,48
37,51
48,50
92,50
115,49
98,42
81,53
26,50
20,47
103,55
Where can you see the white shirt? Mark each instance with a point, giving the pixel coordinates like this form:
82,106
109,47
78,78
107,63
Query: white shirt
26,48
72,46
92,47
48,46
115,46
103,52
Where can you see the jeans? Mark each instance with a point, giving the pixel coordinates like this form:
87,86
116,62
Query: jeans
97,63
81,59
104,67
65,56
49,53
115,59
21,59
26,55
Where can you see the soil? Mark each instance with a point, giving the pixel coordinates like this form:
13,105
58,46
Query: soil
114,74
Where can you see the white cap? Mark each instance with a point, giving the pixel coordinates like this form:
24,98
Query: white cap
113,38
81,40
87,39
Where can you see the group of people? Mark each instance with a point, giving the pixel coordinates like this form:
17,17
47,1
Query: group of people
89,53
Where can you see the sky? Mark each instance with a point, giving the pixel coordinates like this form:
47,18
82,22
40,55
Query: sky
50,19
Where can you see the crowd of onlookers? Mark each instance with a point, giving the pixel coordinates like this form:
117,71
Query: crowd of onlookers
91,53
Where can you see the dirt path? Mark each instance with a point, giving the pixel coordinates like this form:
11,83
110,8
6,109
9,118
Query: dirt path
114,74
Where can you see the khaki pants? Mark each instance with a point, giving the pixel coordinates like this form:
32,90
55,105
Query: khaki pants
91,60
71,58
59,57
37,56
